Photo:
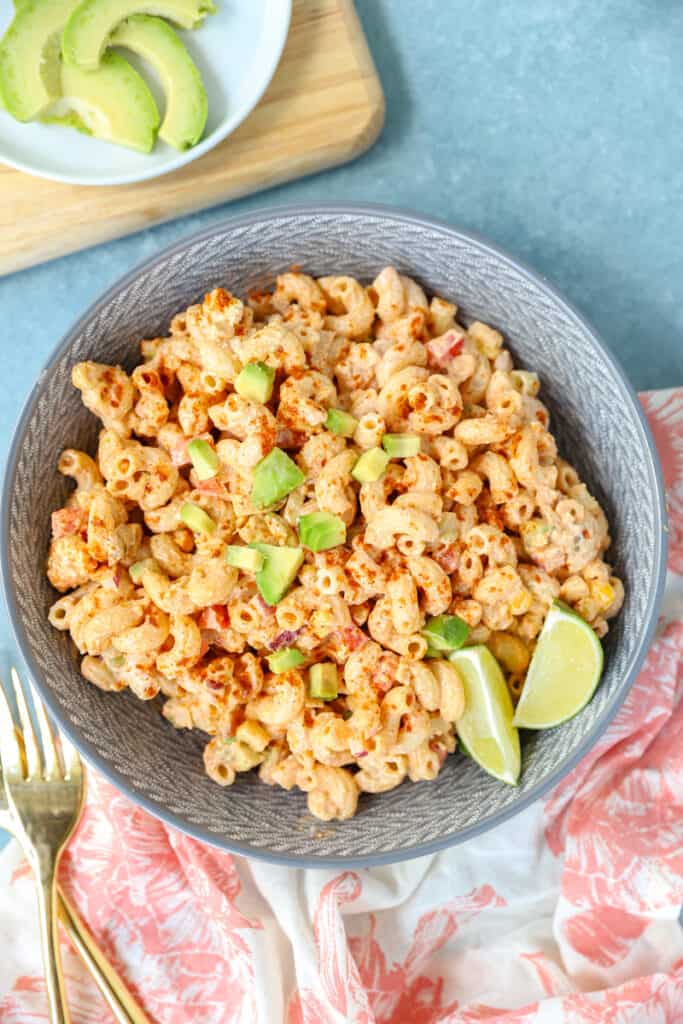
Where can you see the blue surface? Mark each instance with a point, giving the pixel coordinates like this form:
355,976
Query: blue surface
554,129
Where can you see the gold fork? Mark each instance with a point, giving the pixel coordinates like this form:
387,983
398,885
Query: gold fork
41,810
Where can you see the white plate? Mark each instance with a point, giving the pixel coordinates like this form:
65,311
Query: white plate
237,50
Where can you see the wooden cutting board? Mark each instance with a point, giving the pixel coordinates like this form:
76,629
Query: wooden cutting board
324,106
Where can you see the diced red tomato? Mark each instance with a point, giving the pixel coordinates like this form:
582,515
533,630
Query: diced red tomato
66,521
214,487
384,676
442,350
447,557
214,617
353,637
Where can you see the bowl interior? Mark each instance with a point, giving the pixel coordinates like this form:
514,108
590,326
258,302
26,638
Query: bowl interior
599,428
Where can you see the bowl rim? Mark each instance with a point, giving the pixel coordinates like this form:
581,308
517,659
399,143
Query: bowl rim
180,159
420,849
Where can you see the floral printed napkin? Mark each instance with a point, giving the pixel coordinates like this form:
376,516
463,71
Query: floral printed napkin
567,914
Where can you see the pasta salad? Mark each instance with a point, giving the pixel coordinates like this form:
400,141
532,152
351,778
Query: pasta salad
300,505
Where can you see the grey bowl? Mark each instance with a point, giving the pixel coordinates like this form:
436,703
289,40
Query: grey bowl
599,425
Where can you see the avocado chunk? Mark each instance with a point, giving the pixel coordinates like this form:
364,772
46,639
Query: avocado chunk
29,57
204,458
445,633
322,681
196,518
242,557
320,531
279,571
288,657
274,477
256,382
401,446
186,104
89,27
370,466
341,423
113,103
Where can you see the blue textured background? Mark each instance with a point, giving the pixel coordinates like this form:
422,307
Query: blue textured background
555,129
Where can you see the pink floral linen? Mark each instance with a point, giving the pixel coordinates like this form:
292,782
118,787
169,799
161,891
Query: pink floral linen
576,923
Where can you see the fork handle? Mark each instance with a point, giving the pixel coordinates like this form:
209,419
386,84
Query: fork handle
124,1007
49,942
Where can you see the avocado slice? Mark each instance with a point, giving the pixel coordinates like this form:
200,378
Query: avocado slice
113,102
186,103
29,57
274,477
256,382
89,27
69,120
279,571
320,531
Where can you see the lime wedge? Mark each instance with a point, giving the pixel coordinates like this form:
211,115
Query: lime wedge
564,671
486,727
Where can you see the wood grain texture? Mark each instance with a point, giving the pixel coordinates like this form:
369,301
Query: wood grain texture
324,107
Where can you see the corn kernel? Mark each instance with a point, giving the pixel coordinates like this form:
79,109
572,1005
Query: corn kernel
603,594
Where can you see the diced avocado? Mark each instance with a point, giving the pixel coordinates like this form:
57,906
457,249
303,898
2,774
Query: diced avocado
196,518
274,477
186,104
29,57
401,446
89,27
204,458
320,531
445,632
113,102
432,652
279,571
288,657
322,681
255,381
370,466
241,557
341,423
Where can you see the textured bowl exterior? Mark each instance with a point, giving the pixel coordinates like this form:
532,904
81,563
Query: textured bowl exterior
599,426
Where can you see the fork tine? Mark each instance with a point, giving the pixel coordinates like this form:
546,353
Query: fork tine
33,761
73,765
53,768
9,744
